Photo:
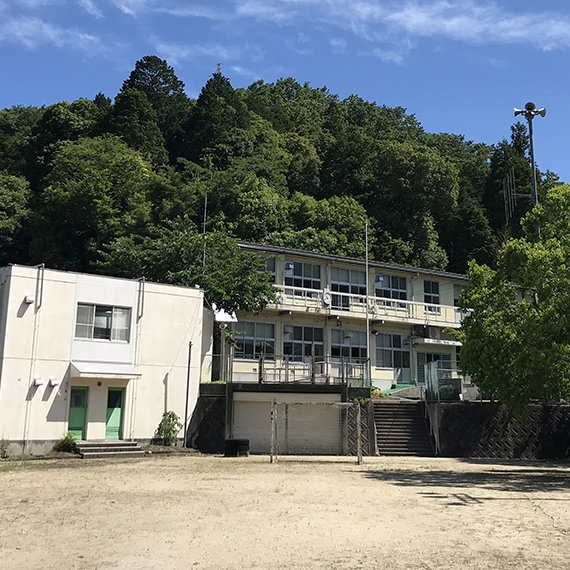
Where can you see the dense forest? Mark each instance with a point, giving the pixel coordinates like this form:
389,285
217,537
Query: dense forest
121,186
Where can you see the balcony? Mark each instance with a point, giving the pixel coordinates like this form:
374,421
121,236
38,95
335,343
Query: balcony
346,304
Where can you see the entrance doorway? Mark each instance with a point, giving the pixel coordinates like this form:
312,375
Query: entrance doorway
114,424
77,411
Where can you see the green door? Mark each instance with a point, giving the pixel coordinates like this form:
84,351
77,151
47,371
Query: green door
77,412
114,423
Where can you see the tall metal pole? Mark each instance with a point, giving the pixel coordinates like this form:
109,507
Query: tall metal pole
534,189
187,394
367,306
530,112
204,229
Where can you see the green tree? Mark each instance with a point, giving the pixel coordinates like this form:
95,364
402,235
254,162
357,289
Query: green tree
218,110
516,338
231,279
134,120
14,213
16,127
96,191
165,92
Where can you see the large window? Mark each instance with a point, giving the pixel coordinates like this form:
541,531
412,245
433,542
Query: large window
301,342
350,281
302,275
252,338
431,295
391,286
103,322
392,351
348,344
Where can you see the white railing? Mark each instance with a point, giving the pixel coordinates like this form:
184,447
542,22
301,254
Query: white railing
379,307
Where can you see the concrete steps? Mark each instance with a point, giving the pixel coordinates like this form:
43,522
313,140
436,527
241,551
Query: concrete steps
401,428
97,449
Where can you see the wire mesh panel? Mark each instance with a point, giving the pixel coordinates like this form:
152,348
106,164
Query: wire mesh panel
323,428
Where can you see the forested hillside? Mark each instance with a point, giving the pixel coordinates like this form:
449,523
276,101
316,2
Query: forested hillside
120,186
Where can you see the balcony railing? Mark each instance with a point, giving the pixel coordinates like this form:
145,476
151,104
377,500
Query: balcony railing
273,369
379,307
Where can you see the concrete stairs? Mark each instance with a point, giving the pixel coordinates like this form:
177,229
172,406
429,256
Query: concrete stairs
98,449
401,428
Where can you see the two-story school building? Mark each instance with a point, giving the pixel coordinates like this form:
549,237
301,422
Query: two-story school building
100,357
344,320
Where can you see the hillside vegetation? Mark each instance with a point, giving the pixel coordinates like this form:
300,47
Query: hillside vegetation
120,186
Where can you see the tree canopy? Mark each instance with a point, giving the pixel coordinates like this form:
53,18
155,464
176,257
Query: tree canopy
516,338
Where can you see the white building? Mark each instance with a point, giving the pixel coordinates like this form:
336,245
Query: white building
100,357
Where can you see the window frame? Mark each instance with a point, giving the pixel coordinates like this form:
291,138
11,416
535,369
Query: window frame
393,347
304,275
340,348
255,340
301,348
117,314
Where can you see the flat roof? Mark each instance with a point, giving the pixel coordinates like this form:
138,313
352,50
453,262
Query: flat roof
340,259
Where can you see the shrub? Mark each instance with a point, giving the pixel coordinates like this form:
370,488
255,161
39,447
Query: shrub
449,393
66,443
4,444
168,428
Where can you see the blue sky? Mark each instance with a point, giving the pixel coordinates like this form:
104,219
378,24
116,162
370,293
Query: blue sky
460,66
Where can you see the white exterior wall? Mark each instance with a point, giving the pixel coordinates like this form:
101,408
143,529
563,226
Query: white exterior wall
38,342
252,420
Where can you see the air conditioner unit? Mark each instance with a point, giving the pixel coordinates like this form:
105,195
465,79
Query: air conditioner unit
433,332
289,266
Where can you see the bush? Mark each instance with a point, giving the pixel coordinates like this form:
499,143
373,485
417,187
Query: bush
66,443
168,428
449,393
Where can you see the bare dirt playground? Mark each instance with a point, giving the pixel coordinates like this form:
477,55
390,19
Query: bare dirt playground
191,511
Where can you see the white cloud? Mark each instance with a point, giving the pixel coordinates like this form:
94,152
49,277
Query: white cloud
378,21
33,32
91,8
174,53
338,45
132,7
194,12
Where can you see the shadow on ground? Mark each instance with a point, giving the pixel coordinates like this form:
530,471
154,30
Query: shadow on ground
522,480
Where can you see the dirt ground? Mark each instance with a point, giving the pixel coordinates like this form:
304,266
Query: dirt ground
210,512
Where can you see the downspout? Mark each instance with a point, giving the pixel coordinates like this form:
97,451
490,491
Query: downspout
136,352
31,389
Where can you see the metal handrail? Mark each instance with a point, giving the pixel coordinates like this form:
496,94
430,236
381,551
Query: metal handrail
377,306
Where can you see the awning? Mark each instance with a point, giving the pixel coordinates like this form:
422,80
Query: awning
111,370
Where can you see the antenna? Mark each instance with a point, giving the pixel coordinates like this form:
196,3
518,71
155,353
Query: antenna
510,194
218,69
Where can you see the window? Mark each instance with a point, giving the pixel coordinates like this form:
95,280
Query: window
350,281
303,275
391,287
443,364
102,322
431,295
348,344
269,267
299,341
392,351
457,289
253,338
